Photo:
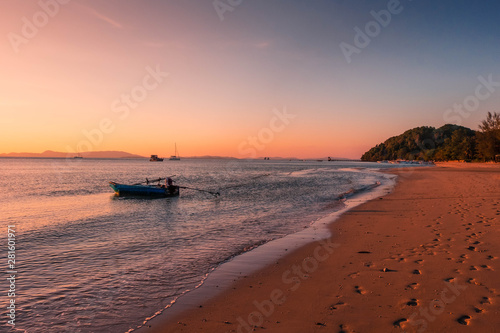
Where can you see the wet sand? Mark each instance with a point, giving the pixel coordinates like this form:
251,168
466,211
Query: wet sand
425,257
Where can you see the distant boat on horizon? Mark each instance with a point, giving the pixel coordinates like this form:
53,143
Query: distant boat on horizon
155,158
175,157
78,156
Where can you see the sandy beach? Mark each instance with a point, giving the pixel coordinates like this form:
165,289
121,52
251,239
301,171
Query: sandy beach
424,258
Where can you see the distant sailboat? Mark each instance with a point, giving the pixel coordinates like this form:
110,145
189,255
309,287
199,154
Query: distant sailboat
175,157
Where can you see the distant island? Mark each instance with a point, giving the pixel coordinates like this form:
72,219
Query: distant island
447,143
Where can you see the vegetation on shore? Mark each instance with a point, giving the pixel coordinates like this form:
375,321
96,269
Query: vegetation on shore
447,143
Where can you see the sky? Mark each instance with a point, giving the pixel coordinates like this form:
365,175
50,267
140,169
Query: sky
241,78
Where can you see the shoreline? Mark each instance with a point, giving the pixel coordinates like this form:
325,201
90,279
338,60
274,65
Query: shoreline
221,278
375,273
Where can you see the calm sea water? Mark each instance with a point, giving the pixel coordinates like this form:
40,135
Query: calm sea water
88,261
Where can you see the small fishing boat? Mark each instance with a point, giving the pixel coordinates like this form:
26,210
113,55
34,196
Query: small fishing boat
145,190
155,158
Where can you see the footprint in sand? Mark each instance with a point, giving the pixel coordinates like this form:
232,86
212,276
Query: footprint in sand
343,328
412,302
359,290
416,272
487,267
398,322
387,270
478,310
474,281
413,286
337,305
485,300
464,320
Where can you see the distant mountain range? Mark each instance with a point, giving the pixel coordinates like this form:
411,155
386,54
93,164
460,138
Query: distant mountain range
93,154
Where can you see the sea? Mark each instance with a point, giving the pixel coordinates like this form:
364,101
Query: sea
89,261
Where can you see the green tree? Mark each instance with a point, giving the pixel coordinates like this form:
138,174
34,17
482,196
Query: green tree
488,139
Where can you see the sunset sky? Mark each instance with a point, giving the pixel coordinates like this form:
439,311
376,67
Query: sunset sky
139,76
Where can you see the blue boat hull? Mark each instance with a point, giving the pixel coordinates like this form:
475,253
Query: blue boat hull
144,190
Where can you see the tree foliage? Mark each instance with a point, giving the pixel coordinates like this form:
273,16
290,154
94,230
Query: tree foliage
488,139
449,142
